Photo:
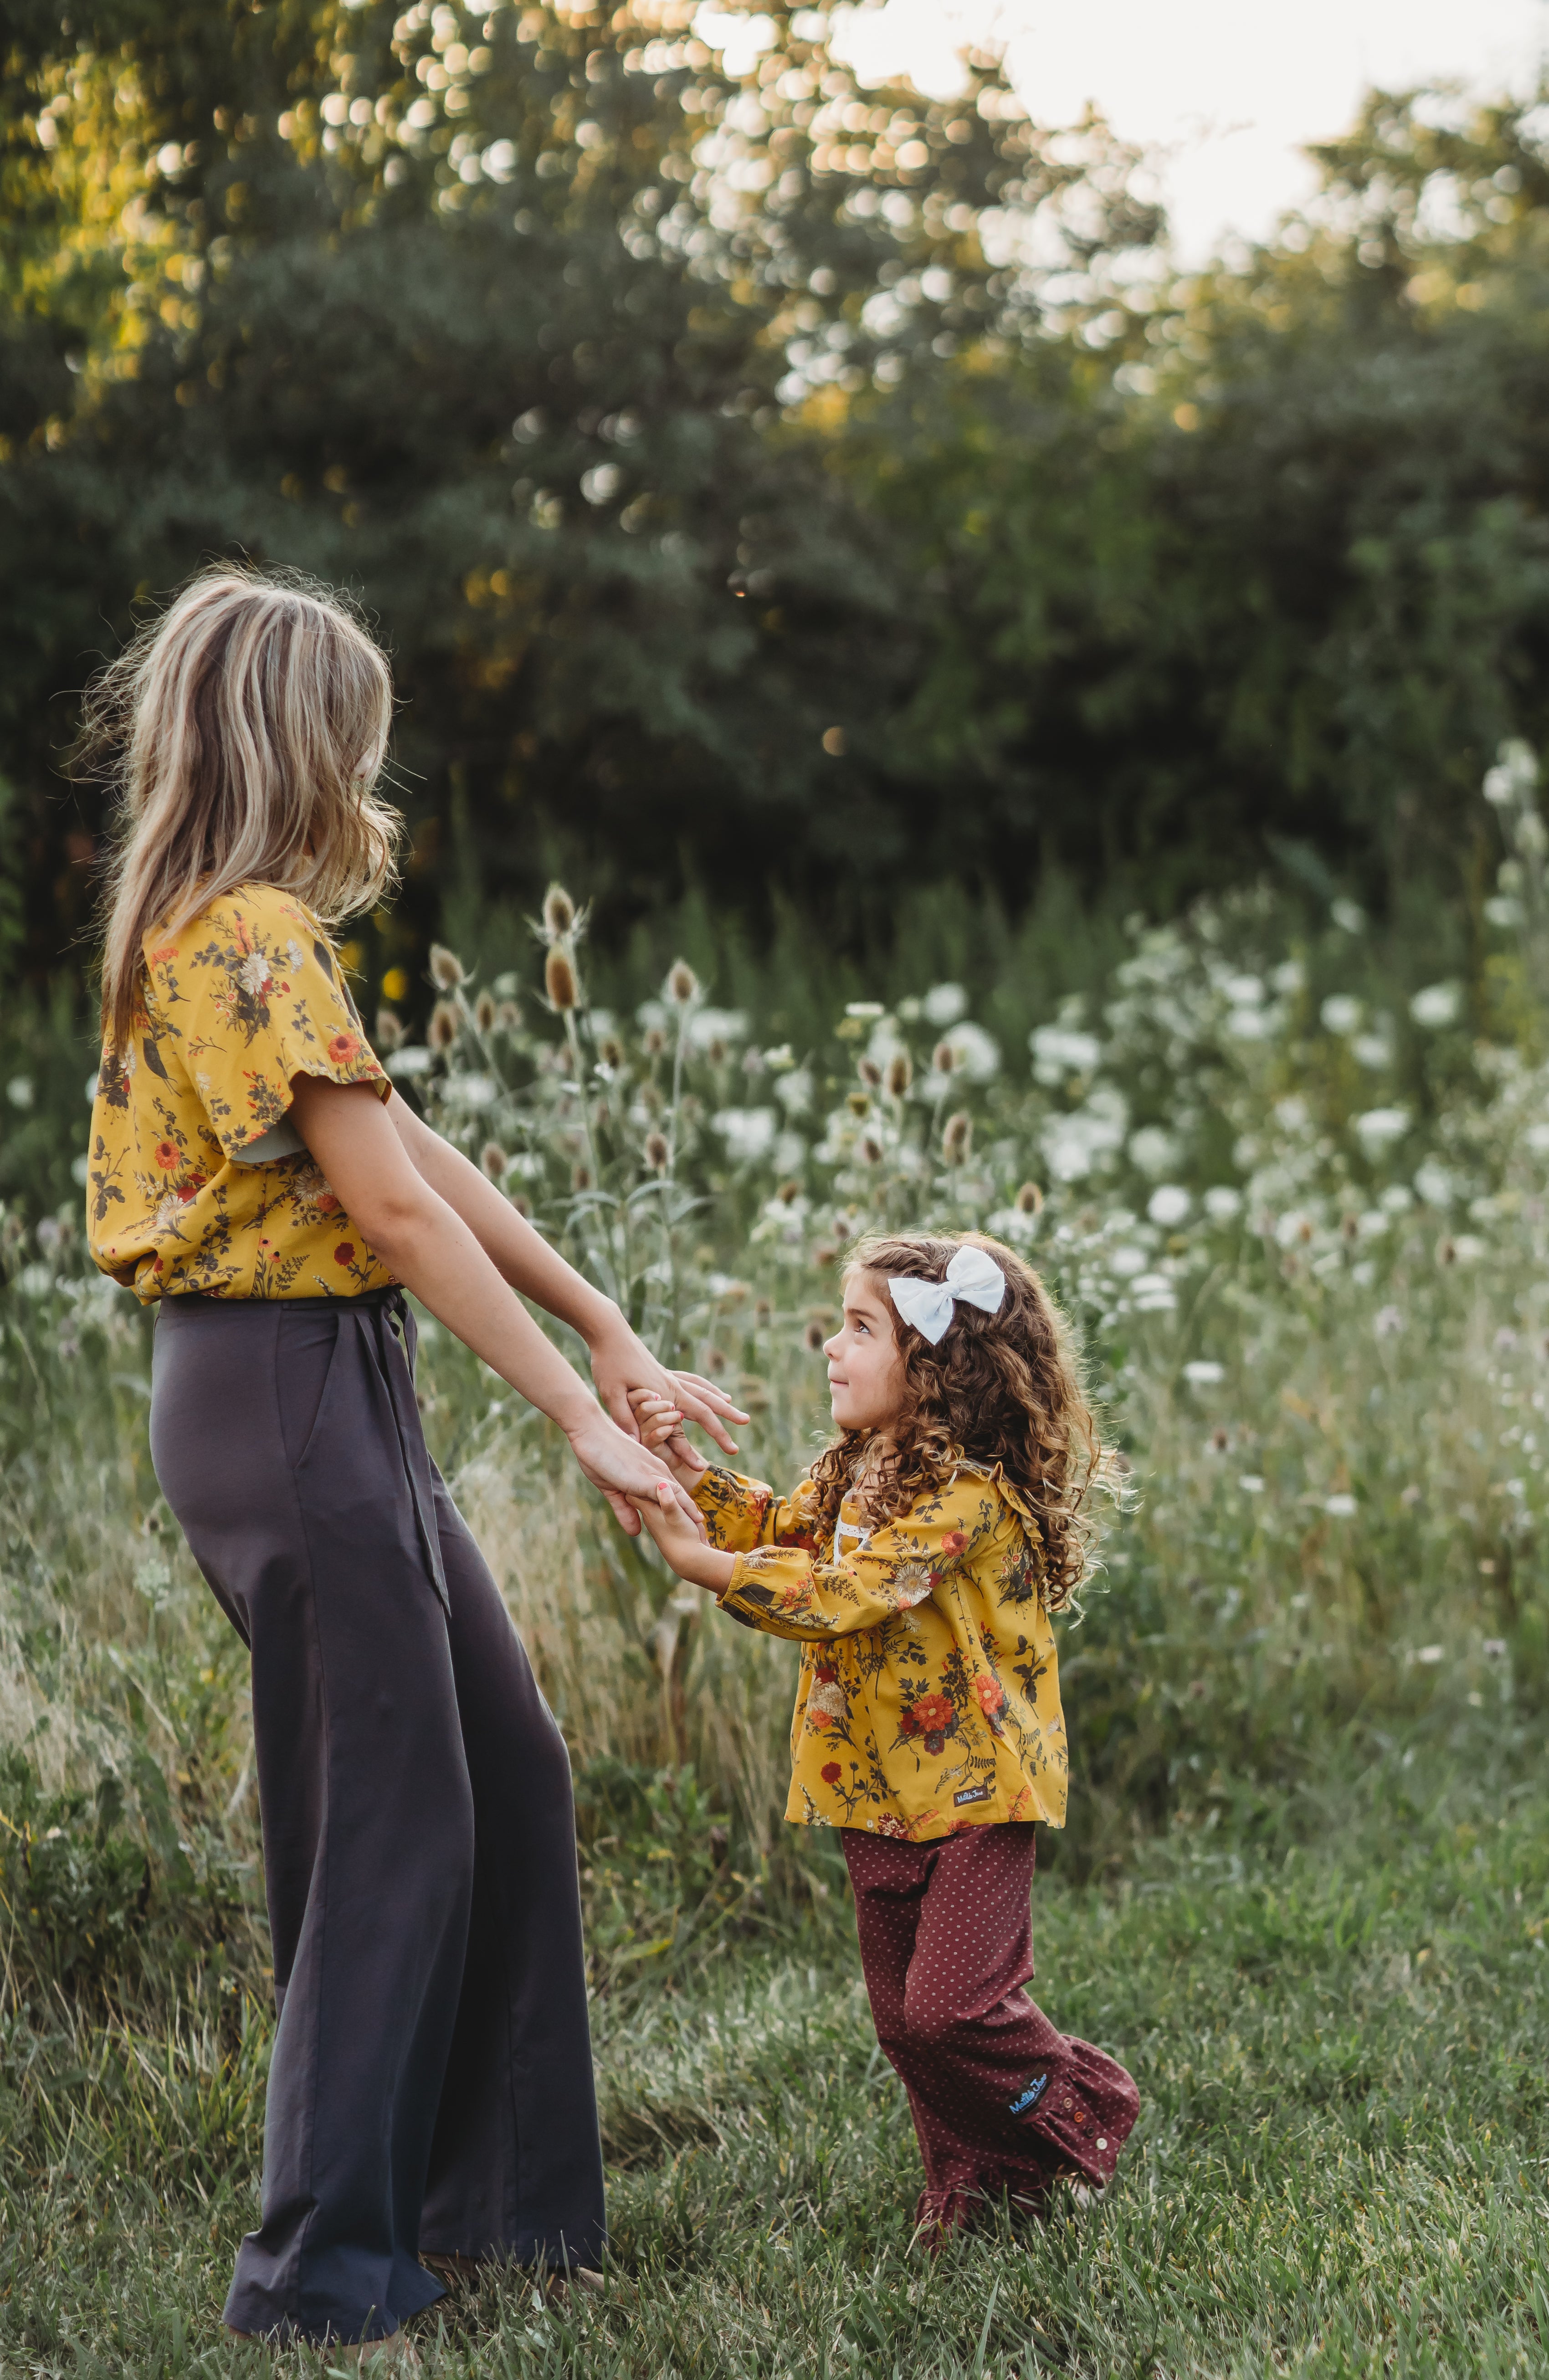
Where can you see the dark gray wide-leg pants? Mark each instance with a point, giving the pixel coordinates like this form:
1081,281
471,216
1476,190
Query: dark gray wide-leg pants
430,2084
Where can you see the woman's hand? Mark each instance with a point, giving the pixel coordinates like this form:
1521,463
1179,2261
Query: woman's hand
621,1361
629,1476
684,1550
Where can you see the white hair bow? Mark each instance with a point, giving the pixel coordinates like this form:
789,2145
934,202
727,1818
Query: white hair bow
972,1275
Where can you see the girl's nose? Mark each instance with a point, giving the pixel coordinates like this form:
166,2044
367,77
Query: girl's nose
829,1345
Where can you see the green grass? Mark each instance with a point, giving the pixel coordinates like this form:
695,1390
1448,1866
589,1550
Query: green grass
1337,2006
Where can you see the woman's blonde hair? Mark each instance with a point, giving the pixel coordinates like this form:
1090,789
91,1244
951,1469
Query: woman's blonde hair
244,730
999,1388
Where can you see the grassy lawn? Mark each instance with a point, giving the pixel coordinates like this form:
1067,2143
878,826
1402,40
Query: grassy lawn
1338,2017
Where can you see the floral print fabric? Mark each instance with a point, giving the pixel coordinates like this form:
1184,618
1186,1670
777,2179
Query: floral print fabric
181,1191
929,1693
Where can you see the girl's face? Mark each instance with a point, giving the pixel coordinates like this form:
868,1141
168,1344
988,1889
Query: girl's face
865,1366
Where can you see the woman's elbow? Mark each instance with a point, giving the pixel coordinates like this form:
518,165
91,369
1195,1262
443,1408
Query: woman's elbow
395,1225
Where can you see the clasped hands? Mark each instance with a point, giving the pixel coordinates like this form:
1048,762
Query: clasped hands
679,1538
611,1445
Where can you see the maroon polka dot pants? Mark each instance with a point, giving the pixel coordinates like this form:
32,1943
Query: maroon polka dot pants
1000,2100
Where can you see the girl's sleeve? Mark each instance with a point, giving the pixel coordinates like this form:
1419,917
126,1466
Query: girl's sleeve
253,996
739,1513
792,1591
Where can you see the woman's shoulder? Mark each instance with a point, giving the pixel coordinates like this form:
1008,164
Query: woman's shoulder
252,916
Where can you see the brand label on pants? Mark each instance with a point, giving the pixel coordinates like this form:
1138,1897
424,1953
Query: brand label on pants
1030,2095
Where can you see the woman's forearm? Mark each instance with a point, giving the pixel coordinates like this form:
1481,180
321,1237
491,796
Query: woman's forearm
435,1253
519,1253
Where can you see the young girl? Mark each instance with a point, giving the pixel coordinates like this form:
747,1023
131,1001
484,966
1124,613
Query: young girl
254,1177
917,1565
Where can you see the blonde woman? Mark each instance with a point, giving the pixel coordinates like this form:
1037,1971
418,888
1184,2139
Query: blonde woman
253,1176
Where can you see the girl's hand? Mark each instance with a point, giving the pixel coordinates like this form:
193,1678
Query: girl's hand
629,1477
621,1361
685,1549
660,1423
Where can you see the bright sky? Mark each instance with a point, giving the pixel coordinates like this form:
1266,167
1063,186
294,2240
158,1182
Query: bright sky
1231,88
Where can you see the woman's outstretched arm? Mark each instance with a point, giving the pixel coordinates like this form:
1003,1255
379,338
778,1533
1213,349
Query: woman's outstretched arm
621,1359
422,1239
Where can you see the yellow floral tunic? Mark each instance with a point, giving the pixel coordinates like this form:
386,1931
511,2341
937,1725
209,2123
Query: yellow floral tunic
197,1177
929,1696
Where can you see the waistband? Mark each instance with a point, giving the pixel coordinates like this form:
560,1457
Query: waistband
372,1299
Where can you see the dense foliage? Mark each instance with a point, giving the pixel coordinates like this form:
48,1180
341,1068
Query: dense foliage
765,484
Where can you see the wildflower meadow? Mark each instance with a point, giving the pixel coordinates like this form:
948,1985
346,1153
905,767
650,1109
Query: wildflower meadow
1287,1173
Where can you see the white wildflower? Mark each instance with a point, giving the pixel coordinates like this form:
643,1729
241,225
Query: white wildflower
1252,1483
1223,1203
1372,1051
1057,1050
1340,1013
793,1088
1388,1321
1438,1004
975,1053
19,1090
1380,1127
944,1004
1348,916
1204,1375
470,1091
1339,1508
1435,1184
412,1059
1153,1152
1169,1205
1126,1263
749,1133
708,1025
1429,1655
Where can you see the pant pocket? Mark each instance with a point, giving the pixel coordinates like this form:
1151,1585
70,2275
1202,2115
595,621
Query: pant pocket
305,1346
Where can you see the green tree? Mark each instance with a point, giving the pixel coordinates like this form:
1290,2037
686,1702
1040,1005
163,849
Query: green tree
496,316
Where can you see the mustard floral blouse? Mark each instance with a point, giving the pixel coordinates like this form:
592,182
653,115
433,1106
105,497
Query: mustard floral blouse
928,1694
197,1178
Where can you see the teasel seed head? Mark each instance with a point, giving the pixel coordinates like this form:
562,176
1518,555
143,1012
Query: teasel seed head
581,1178
655,1042
787,1191
1029,1199
813,1335
657,1151
442,1030
612,1050
559,981
956,1139
943,1058
559,912
859,1104
683,984
716,1051
389,1030
869,1072
492,1156
508,1016
484,1012
447,968
900,1075
870,1149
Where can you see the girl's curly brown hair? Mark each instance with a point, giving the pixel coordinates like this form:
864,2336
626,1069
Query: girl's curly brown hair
999,1388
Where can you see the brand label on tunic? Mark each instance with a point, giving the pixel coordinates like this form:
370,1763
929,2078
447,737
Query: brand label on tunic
1031,2096
973,1793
